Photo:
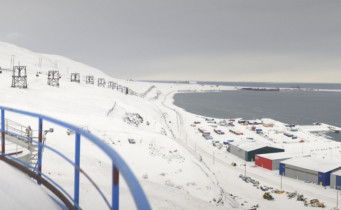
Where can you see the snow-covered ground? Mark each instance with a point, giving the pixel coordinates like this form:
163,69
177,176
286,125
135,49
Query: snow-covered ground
176,167
19,192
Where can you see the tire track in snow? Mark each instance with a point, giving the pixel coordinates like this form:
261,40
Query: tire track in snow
183,137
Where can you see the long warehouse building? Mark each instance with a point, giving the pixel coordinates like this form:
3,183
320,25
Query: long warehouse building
271,160
248,150
309,169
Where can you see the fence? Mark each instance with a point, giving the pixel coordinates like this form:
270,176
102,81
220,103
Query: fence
118,164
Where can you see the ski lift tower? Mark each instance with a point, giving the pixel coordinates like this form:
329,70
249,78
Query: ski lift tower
111,84
101,82
75,77
53,78
125,90
19,77
89,79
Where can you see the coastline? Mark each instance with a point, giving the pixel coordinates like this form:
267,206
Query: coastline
291,107
219,161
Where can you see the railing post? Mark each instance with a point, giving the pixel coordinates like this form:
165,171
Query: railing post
40,146
115,188
77,163
2,131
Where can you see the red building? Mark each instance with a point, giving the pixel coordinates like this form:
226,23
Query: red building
271,160
263,162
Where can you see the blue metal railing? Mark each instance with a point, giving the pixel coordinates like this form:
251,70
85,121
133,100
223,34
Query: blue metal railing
118,164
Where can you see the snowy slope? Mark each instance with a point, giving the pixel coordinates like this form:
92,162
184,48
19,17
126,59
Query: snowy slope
42,62
177,168
158,161
19,192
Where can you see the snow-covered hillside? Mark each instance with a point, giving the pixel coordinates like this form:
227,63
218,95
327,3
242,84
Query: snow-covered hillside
176,166
11,54
159,162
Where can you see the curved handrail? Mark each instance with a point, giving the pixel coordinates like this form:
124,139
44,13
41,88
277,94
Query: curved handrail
66,159
139,196
44,175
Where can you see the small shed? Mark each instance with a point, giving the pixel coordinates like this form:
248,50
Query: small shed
247,150
271,160
309,169
335,180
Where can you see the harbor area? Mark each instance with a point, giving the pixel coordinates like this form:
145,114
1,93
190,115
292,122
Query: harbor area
266,150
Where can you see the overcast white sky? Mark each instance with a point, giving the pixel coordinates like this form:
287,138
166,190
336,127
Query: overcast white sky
213,40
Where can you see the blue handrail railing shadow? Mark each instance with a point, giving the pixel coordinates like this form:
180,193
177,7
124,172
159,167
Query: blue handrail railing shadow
118,164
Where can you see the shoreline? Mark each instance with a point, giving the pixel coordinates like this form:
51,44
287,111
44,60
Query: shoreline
264,110
220,160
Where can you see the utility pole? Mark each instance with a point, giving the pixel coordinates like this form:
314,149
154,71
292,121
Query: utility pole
281,181
337,198
245,169
12,60
213,157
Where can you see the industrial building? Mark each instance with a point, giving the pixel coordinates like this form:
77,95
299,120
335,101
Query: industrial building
309,169
335,180
247,150
271,160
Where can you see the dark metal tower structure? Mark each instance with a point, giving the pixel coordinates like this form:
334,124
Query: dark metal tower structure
111,84
89,80
101,82
75,77
19,77
125,90
53,78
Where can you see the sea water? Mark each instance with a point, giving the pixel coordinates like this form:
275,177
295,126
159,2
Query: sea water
292,107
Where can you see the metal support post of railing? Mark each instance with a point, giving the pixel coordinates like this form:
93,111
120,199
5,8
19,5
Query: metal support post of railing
2,131
115,188
40,146
6,124
77,168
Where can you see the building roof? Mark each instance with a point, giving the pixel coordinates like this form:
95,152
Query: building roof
280,155
337,173
250,145
314,164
